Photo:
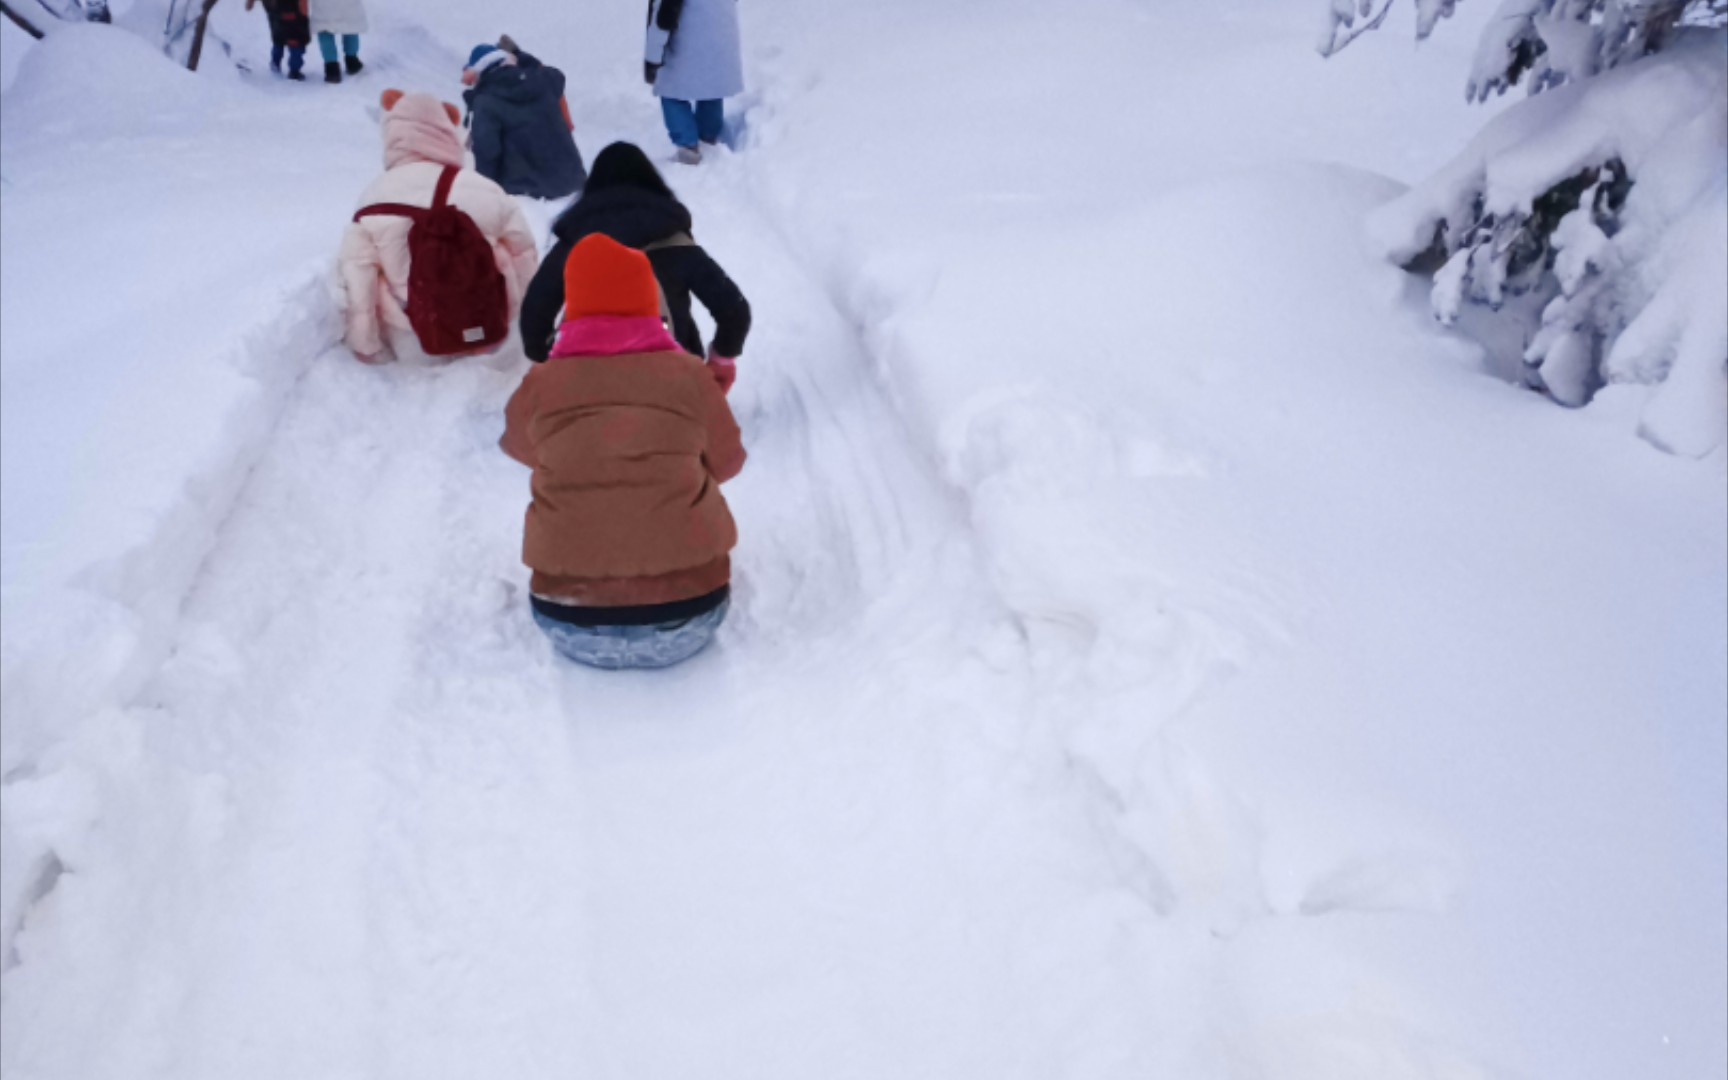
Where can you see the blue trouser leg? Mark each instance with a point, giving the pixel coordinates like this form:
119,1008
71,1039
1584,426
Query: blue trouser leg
327,46
350,44
296,59
680,121
710,119
276,52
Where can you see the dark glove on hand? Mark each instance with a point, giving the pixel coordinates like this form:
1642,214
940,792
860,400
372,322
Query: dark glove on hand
650,71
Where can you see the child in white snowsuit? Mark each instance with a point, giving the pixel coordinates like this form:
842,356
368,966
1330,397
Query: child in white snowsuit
422,140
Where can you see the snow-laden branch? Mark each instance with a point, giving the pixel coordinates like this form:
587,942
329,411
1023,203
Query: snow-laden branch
1341,28
1600,205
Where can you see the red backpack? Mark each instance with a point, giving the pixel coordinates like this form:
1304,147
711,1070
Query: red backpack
457,300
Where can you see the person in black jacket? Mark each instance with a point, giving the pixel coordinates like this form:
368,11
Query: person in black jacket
521,127
289,35
627,199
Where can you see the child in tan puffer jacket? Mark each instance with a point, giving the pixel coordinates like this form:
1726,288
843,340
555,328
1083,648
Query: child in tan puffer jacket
630,438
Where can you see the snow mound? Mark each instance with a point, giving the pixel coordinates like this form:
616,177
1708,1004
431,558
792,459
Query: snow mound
53,95
152,325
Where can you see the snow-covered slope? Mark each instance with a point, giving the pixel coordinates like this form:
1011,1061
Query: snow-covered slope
1159,649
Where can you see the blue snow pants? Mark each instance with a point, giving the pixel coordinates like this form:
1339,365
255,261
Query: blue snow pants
296,57
327,45
689,122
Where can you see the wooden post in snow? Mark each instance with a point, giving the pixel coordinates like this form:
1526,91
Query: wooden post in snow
198,35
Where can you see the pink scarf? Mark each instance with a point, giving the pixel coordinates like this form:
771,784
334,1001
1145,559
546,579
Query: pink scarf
613,335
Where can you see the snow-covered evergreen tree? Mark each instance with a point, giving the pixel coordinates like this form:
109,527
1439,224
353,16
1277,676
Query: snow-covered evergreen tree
1599,206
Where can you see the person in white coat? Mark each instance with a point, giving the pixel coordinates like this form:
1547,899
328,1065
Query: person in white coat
338,18
422,137
694,61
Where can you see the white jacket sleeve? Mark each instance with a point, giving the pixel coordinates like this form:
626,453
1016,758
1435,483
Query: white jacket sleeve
358,268
520,256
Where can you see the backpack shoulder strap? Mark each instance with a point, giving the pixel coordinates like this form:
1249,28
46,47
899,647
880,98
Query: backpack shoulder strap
440,198
446,180
677,239
390,209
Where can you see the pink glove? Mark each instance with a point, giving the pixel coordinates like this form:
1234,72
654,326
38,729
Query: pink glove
724,369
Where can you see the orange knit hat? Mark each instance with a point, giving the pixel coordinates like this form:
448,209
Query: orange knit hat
603,277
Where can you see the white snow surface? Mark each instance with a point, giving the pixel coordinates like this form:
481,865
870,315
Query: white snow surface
1158,649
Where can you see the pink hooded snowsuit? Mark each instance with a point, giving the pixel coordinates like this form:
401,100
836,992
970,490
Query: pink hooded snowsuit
421,137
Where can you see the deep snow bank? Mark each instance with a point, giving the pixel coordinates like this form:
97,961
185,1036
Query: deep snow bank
1322,609
53,87
155,314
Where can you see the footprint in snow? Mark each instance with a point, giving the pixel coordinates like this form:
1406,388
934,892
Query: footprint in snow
1399,882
